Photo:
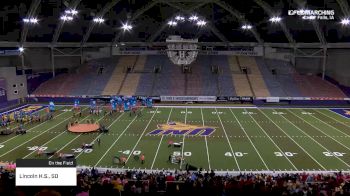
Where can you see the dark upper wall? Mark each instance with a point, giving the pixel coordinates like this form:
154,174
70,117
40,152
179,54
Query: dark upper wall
337,65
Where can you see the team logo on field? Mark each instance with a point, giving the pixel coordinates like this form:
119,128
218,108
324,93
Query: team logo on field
32,108
347,112
344,112
177,128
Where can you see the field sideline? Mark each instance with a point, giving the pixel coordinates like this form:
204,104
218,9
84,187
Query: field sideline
244,139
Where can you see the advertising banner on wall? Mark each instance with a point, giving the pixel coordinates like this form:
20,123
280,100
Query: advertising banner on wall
188,98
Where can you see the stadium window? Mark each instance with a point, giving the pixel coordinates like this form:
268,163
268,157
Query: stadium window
14,85
15,92
21,84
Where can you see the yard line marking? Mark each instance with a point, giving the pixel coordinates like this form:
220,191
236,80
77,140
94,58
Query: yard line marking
329,125
161,139
126,128
292,138
182,152
100,134
155,157
329,109
223,128
206,142
149,122
314,140
75,137
31,129
183,143
321,131
267,168
33,138
271,140
52,140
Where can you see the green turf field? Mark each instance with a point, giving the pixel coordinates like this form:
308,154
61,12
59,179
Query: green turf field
245,139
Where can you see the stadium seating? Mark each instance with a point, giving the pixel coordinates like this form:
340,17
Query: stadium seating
50,87
140,64
114,84
130,84
313,86
226,86
202,81
229,81
239,80
297,85
171,80
93,182
272,84
284,75
132,79
254,76
146,81
234,66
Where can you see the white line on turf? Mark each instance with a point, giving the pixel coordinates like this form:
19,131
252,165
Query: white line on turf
333,118
206,142
126,128
335,112
52,140
149,122
228,141
31,129
251,142
160,142
14,109
183,143
329,125
33,138
271,140
76,137
313,140
320,130
27,122
292,139
100,134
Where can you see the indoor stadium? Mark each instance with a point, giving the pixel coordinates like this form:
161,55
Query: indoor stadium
166,97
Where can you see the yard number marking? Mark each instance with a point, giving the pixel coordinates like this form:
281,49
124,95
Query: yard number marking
152,112
278,113
34,148
248,113
79,150
237,154
281,154
307,113
336,154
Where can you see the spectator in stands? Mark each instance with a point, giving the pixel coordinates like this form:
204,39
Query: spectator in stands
92,182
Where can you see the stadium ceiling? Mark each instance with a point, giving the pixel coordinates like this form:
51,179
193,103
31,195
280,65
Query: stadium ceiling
149,19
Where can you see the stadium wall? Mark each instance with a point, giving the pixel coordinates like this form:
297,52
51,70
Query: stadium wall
10,61
39,60
278,54
336,67
16,85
